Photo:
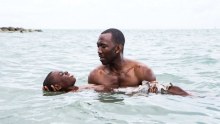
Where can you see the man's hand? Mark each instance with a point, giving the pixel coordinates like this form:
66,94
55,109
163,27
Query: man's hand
55,88
44,88
153,89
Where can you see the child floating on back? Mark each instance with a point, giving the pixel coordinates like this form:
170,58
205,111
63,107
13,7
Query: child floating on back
59,81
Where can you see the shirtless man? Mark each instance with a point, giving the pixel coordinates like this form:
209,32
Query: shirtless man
117,71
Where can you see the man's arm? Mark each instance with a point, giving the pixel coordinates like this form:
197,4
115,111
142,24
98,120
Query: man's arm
145,73
169,89
94,82
98,88
92,77
175,90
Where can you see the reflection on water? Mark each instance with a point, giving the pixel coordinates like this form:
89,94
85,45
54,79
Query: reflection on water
47,93
109,98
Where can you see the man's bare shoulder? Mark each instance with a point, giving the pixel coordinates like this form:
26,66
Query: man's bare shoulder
94,74
142,71
97,70
137,64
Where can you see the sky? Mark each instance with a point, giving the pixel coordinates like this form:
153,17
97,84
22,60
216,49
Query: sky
102,14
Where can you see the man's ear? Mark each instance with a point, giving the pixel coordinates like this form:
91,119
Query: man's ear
118,48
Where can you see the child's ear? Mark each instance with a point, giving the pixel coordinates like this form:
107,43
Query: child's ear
57,87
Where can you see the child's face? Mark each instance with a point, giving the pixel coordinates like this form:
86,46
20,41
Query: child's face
65,79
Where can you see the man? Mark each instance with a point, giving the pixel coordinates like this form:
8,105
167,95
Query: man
117,71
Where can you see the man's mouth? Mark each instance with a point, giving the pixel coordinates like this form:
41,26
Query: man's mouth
101,58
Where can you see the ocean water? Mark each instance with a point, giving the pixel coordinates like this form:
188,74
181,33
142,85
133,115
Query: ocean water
187,58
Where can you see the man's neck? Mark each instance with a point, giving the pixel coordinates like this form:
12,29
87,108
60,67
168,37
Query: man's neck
117,64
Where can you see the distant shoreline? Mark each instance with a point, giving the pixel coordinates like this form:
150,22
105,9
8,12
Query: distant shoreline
18,29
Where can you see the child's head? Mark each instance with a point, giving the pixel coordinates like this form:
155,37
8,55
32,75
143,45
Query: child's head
60,80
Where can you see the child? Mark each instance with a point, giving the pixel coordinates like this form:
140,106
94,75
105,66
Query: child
65,82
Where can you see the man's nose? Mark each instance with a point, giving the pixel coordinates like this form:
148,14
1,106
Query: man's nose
99,50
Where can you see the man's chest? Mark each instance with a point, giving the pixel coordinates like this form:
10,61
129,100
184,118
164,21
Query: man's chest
119,79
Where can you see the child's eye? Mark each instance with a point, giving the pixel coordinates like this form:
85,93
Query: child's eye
61,73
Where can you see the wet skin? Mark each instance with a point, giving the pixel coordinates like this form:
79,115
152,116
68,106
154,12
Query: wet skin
116,71
66,79
63,81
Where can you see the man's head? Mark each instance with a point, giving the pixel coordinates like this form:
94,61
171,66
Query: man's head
110,45
117,35
60,80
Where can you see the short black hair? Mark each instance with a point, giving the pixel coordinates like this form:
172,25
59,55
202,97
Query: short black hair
49,80
117,35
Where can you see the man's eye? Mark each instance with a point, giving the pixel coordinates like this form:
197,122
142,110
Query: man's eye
61,73
104,46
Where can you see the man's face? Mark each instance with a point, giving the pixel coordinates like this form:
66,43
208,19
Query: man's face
65,79
106,48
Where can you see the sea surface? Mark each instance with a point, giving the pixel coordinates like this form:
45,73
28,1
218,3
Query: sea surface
187,58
